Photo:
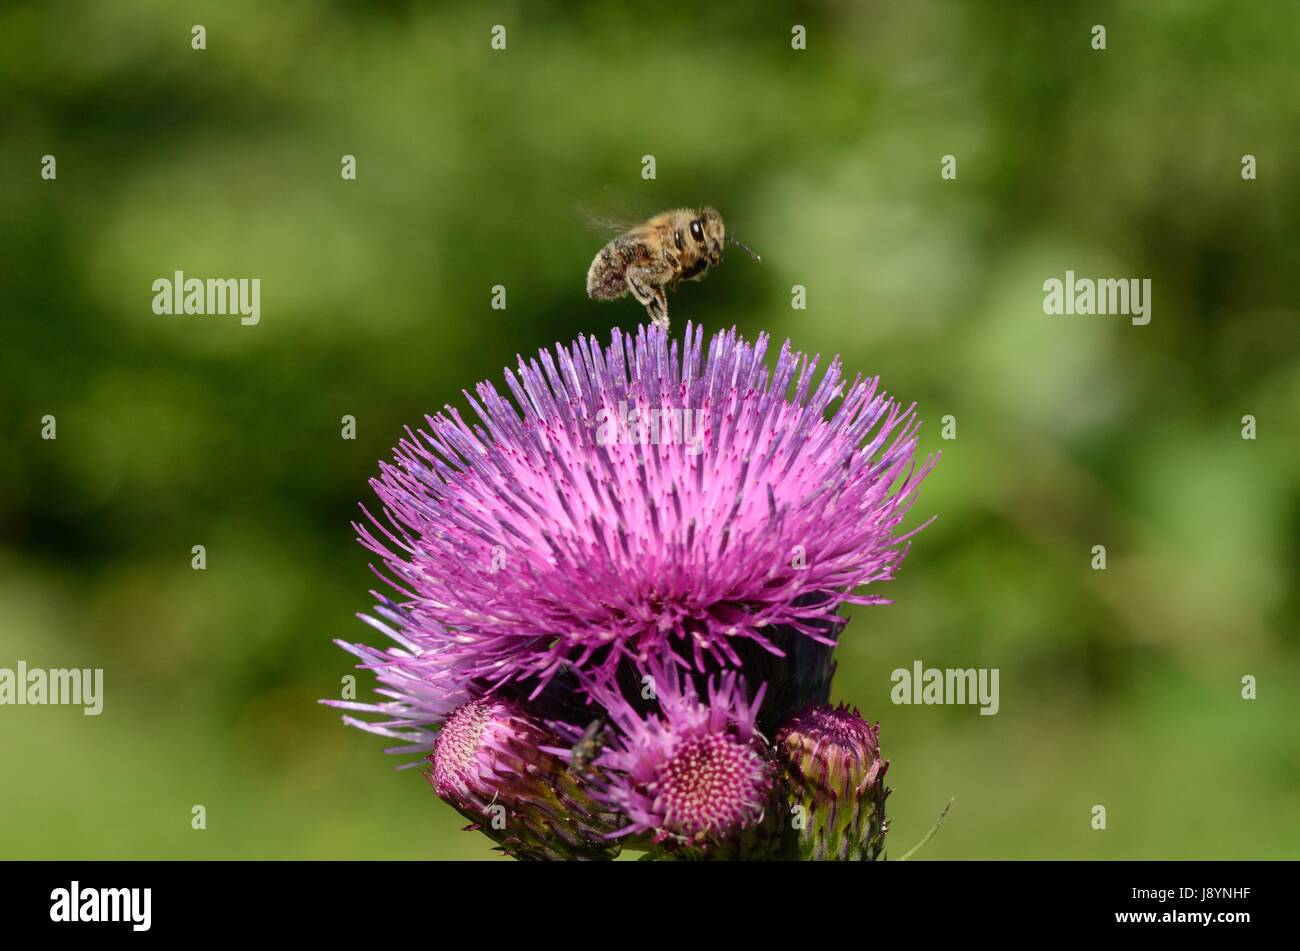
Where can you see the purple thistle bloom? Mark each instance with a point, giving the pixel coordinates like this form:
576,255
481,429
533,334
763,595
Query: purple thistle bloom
684,771
633,501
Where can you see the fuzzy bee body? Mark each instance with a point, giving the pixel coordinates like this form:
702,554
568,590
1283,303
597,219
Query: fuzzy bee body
675,246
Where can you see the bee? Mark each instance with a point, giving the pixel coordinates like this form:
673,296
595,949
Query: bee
586,750
679,245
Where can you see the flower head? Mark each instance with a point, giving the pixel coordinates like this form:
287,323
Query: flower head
587,575
681,768
644,499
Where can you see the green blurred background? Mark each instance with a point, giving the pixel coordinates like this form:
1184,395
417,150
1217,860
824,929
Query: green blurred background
1119,688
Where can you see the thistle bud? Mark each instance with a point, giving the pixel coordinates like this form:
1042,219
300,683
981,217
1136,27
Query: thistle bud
835,783
489,764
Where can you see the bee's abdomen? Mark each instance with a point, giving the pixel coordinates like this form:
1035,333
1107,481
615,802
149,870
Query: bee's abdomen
605,276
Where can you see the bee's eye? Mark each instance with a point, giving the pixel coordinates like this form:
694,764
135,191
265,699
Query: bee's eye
697,230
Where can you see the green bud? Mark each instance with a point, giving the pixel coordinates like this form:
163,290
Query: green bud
834,785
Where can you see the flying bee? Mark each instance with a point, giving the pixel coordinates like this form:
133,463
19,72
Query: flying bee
586,750
675,246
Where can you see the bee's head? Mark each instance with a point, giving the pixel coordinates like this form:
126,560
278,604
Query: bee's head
708,234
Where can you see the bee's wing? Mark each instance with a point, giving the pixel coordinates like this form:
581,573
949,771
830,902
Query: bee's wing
609,226
614,212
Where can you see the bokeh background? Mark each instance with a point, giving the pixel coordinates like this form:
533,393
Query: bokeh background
1120,688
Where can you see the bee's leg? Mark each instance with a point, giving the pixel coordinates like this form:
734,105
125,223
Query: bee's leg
645,287
675,268
658,308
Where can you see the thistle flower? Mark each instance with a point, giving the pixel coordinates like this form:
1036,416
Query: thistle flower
835,783
682,770
642,508
644,499
490,763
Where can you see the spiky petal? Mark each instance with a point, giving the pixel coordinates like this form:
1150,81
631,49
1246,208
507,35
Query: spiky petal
419,686
835,783
489,763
